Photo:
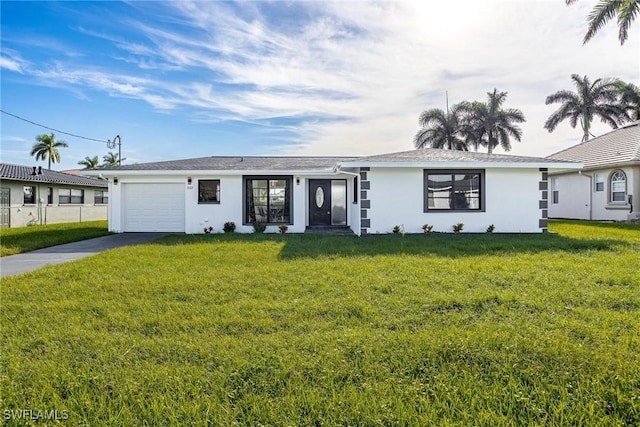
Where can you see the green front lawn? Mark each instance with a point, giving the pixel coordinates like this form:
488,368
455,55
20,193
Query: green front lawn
24,239
312,330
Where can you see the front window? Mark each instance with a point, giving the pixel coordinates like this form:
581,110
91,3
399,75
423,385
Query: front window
29,195
555,194
268,200
599,182
209,191
454,190
618,186
101,197
70,196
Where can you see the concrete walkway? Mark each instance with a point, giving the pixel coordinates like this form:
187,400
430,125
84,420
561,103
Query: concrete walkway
29,261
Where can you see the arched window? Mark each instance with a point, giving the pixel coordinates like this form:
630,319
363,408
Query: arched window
618,185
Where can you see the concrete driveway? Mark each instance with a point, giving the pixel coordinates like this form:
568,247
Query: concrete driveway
29,261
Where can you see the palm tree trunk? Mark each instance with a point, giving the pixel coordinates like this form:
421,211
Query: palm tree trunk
585,129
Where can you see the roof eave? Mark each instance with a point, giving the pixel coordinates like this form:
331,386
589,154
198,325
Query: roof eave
466,165
220,172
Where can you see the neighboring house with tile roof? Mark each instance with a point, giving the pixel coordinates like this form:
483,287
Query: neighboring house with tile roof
35,195
608,187
363,195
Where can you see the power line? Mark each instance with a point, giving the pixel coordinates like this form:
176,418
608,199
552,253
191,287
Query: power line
55,130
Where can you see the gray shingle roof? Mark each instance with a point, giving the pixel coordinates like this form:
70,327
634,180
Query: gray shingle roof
25,173
274,163
441,155
283,163
618,147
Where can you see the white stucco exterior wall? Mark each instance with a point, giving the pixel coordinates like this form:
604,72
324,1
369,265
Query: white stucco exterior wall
578,198
573,196
198,216
512,202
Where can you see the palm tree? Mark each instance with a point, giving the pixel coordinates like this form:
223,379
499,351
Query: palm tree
605,10
111,160
46,147
442,130
90,162
629,99
599,98
494,125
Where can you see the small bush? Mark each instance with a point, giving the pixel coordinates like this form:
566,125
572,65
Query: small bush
208,230
283,228
259,227
458,227
396,229
229,227
427,228
491,228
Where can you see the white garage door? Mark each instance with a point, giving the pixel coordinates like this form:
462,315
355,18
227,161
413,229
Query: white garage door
153,207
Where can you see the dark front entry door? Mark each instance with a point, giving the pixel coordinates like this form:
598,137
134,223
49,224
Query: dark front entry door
319,202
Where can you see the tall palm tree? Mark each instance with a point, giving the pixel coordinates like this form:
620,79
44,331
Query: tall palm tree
599,98
629,99
90,162
111,159
605,10
494,125
46,147
442,130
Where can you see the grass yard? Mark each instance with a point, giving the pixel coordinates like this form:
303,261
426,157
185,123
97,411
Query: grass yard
310,330
23,239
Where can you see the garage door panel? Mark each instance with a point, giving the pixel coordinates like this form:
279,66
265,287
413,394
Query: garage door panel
154,207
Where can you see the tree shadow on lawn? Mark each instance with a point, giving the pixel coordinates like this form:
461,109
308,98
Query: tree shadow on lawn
296,246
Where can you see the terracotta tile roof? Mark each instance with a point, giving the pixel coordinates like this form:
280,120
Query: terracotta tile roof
618,147
11,172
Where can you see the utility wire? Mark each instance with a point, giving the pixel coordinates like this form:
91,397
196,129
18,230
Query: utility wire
55,130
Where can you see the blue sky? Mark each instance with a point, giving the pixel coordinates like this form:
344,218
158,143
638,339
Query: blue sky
203,78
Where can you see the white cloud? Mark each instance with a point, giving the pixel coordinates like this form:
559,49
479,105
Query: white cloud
355,74
11,61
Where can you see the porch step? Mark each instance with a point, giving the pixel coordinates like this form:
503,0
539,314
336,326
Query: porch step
330,230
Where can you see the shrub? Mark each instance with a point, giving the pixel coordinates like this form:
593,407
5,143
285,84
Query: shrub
283,228
259,227
208,230
490,228
458,227
229,227
396,229
427,228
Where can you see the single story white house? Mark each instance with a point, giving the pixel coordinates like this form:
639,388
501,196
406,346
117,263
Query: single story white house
608,186
367,195
35,195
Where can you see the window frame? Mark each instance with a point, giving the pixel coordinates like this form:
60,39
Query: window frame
103,199
34,196
481,190
555,193
611,182
72,199
217,192
598,182
288,201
